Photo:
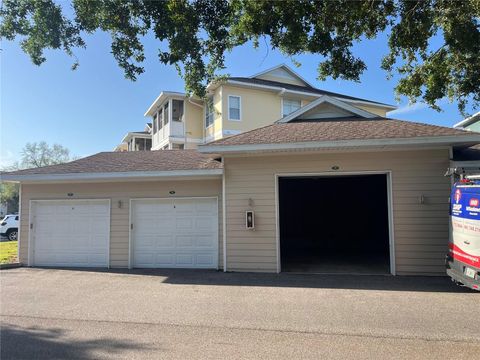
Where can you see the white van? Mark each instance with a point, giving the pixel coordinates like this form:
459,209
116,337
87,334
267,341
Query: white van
463,259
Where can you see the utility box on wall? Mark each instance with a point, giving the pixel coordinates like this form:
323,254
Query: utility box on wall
250,219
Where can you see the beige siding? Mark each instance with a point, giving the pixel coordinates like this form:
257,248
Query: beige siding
380,111
193,121
118,191
259,108
420,230
272,77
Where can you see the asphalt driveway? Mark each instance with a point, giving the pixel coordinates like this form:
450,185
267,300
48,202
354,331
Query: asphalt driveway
58,314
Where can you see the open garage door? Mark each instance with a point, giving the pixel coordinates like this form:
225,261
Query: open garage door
175,233
334,224
71,233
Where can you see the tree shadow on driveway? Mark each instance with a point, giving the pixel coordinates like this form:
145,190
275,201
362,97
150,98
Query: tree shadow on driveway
39,343
292,280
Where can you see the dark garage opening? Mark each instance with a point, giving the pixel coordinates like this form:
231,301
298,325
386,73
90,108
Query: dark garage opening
334,224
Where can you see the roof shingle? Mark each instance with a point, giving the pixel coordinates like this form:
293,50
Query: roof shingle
336,129
130,161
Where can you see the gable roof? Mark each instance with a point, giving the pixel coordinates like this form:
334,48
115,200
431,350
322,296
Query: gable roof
326,99
285,68
307,90
129,164
336,133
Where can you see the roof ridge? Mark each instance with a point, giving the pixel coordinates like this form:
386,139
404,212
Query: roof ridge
433,125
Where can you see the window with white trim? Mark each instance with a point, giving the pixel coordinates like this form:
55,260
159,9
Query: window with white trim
209,112
234,104
154,123
289,106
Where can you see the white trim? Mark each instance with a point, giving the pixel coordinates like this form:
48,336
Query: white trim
112,175
311,94
20,220
287,68
277,225
388,177
468,121
134,134
160,99
239,107
130,250
391,230
30,237
224,221
31,243
130,211
283,98
205,109
329,100
318,145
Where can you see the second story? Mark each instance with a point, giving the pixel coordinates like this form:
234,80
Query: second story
471,123
238,104
176,121
137,140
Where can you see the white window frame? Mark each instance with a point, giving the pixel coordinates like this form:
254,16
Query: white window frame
206,112
239,107
289,99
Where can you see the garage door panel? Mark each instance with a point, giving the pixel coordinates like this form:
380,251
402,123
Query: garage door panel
185,237
204,223
205,241
205,207
185,260
184,224
183,241
71,233
205,260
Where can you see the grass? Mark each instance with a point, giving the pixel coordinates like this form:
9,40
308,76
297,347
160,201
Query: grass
8,252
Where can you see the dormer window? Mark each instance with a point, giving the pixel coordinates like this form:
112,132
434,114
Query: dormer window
234,107
289,106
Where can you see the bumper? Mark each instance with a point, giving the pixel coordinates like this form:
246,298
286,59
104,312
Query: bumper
459,277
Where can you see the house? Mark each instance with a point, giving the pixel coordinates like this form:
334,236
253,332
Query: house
137,140
471,123
288,180
236,105
466,159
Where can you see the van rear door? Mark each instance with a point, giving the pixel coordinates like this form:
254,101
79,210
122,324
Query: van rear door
465,245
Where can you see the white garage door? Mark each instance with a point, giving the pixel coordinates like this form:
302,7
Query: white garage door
175,233
71,233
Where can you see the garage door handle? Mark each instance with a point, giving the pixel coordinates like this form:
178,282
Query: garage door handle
131,226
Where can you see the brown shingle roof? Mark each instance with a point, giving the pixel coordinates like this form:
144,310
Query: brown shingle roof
336,129
130,161
309,89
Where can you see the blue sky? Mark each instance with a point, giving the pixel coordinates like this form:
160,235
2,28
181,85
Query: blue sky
89,110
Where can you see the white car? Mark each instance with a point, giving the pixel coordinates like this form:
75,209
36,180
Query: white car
9,227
